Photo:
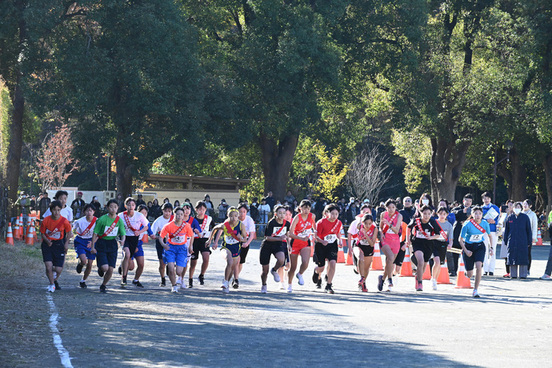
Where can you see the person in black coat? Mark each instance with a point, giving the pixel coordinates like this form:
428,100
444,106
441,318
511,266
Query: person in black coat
518,237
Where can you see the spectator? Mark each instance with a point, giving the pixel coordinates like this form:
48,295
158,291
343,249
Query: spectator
264,210
352,212
121,202
77,206
43,203
270,200
289,197
399,204
166,200
155,209
381,209
222,208
140,201
408,210
33,203
97,206
210,205
518,237
176,203
24,202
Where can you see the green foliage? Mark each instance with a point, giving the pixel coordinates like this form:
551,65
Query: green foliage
415,148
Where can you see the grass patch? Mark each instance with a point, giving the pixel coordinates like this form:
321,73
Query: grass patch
19,260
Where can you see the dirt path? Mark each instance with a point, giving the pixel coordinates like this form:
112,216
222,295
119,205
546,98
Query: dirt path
204,327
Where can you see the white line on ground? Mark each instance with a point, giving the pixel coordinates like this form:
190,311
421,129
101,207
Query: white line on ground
63,353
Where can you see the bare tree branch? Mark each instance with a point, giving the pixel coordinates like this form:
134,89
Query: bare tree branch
368,174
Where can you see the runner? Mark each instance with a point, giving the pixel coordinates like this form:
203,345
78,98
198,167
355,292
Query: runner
423,231
441,244
328,236
104,242
67,212
206,225
139,255
194,224
84,227
176,236
367,237
352,234
283,271
474,232
251,235
461,213
132,221
234,233
491,214
56,232
273,244
156,228
390,226
301,231
408,211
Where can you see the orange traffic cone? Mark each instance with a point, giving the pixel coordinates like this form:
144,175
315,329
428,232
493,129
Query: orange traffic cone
444,275
9,235
376,259
349,254
462,282
427,273
145,239
29,239
406,269
16,234
340,255
539,238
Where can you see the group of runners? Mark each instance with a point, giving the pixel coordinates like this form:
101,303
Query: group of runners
181,240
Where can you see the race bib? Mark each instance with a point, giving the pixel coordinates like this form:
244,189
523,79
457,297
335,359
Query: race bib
330,238
230,240
179,239
305,233
113,232
205,234
476,238
56,234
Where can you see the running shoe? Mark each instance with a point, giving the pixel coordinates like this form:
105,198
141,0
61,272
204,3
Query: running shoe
236,284
506,275
163,282
289,289
226,289
275,275
101,272
57,285
491,273
434,284
476,293
174,289
201,279
263,289
363,288
319,284
380,282
315,277
79,267
486,274
137,283
190,283
300,278
390,282
545,277
51,288
103,289
124,281
120,270
82,284
419,286
329,289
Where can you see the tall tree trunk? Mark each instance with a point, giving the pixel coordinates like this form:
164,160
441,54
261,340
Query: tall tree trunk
547,165
447,161
516,177
277,157
12,169
124,171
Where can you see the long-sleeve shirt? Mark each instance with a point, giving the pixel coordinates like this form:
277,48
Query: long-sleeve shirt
534,223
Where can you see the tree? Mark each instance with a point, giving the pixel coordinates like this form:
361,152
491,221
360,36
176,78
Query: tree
55,162
368,174
130,74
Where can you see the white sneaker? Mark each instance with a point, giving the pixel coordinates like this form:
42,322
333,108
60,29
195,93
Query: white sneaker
263,289
275,275
476,293
174,289
224,284
545,277
434,284
289,289
51,288
300,278
282,286
226,289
